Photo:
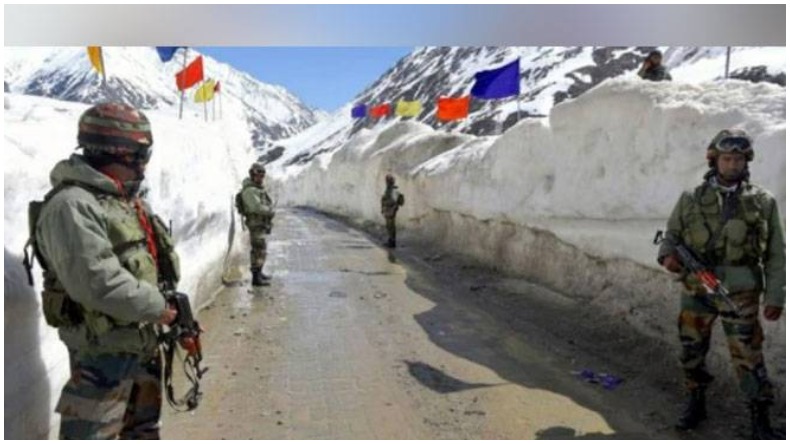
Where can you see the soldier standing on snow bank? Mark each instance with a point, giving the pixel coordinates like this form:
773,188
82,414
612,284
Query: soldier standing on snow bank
735,228
652,69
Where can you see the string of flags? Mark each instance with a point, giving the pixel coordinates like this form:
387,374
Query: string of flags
493,84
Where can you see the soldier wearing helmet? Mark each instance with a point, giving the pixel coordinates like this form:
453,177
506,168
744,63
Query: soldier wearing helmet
735,227
102,251
391,201
255,205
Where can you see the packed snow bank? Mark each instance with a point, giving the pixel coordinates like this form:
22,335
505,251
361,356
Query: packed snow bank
195,169
571,201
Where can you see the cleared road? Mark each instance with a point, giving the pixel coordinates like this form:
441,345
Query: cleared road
352,341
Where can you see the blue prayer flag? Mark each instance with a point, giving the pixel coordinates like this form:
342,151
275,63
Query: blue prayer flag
166,53
359,111
498,83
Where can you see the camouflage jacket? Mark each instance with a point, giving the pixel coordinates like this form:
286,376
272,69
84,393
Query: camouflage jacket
746,249
258,206
100,279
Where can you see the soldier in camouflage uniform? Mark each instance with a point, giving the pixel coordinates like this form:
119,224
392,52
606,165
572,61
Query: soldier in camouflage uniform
652,69
100,247
391,201
258,212
735,227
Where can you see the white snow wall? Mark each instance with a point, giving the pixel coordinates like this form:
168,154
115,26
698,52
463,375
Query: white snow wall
571,201
195,169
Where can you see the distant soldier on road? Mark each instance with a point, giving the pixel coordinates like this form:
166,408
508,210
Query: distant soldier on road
255,205
391,201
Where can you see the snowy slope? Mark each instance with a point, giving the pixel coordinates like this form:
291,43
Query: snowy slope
188,155
549,76
571,201
137,76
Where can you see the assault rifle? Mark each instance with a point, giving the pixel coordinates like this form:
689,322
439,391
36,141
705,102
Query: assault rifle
692,265
185,331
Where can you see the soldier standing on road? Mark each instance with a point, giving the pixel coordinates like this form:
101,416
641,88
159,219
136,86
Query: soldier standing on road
101,248
735,227
391,201
255,205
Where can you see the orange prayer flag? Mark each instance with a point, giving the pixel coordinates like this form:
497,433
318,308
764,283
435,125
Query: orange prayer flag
452,108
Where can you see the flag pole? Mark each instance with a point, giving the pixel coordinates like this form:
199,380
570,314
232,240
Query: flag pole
518,100
205,107
213,109
181,102
502,117
500,120
518,93
220,103
727,64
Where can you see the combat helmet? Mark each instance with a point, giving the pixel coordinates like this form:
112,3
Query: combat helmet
114,132
728,141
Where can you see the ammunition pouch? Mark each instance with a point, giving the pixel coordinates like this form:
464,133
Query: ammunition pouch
60,310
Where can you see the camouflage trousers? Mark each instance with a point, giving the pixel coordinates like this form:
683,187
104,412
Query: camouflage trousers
257,247
391,232
744,338
112,396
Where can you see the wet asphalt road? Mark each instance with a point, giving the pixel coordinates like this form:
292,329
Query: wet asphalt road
352,341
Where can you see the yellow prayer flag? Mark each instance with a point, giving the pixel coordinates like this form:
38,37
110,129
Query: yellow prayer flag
408,108
205,92
95,56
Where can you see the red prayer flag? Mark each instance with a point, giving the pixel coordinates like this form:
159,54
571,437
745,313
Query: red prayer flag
190,75
382,110
216,87
450,108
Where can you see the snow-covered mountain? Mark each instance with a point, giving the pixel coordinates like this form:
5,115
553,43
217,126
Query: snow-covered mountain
549,76
137,76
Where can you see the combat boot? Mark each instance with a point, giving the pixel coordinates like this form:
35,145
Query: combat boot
694,412
257,277
761,421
